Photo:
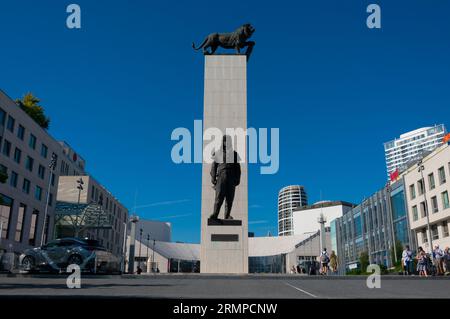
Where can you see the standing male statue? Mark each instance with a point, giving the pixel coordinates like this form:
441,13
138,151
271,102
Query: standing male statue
225,176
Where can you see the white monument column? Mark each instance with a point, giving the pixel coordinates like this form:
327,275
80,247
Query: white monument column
224,243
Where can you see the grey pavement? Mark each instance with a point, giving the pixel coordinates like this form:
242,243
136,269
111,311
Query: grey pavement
223,286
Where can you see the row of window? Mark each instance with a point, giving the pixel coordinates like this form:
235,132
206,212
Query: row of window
5,215
111,206
32,140
434,206
13,180
435,232
17,158
431,183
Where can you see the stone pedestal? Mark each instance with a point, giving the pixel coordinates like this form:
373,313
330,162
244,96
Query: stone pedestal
224,244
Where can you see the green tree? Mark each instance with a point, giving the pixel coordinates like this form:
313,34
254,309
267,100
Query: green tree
30,104
364,261
397,250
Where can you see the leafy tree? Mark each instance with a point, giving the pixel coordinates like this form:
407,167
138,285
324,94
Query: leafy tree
397,250
30,104
364,261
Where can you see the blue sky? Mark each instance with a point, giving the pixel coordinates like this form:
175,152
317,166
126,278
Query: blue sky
117,88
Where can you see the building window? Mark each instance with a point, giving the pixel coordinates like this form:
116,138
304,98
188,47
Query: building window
26,186
423,210
33,227
434,204
38,193
5,214
434,232
445,228
21,132
44,150
29,163
445,203
424,236
412,191
20,222
420,186
41,172
2,117
441,173
13,179
415,213
50,199
17,155
32,141
6,148
53,179
10,124
431,181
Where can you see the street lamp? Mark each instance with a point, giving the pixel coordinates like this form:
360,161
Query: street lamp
322,220
146,260
140,245
153,256
420,170
133,220
80,188
51,167
100,203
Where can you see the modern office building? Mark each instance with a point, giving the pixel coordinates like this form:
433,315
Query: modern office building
306,217
289,198
428,187
105,217
374,226
411,145
26,150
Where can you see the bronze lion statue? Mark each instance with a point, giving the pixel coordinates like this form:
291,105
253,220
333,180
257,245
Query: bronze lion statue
234,40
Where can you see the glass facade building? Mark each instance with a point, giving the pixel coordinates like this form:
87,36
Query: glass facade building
373,227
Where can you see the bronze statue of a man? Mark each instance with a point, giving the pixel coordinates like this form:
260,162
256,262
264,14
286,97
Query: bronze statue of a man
225,176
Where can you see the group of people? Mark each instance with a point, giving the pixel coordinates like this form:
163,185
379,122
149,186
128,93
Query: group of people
436,263
328,262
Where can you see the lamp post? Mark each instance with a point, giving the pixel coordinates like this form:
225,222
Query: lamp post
100,203
140,245
322,220
133,219
80,188
153,256
148,243
420,170
51,167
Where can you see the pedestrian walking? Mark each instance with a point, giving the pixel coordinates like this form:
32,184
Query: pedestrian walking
447,260
407,259
438,260
324,260
333,262
422,262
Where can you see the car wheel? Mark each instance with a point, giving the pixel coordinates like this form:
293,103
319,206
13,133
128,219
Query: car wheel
28,263
75,259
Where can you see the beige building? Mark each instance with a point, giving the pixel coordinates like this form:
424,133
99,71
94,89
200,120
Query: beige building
26,151
111,232
427,187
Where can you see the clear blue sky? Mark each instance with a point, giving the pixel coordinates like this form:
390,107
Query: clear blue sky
117,88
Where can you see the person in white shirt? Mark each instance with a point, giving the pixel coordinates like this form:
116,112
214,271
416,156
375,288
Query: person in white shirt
407,258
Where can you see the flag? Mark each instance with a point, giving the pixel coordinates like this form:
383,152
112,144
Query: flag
394,175
446,138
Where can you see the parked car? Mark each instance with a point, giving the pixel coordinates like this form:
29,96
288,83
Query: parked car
60,253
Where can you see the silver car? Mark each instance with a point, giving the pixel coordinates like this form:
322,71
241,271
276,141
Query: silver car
60,253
